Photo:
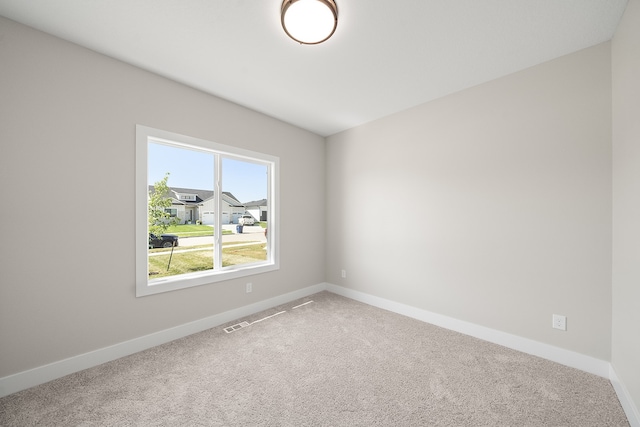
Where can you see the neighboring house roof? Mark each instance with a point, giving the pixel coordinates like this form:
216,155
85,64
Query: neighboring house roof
261,202
201,196
231,199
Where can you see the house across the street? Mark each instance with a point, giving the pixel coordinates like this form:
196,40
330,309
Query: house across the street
257,209
190,205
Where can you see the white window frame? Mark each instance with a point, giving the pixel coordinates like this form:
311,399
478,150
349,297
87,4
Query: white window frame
144,286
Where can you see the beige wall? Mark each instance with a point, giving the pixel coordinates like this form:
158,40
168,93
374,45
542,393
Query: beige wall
626,201
492,205
67,138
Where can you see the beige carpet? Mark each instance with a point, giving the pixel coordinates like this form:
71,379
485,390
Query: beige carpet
330,362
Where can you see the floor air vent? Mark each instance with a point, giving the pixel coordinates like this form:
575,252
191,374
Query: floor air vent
235,327
241,325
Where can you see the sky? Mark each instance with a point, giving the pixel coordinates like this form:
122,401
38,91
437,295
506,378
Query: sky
194,169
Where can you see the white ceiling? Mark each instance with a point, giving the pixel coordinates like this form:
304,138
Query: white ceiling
385,56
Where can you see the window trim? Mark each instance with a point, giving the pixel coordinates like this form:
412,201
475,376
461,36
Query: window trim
143,286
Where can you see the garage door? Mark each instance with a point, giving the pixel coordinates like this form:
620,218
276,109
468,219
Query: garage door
208,218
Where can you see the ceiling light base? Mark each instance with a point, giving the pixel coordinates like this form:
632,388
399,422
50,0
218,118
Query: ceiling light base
309,21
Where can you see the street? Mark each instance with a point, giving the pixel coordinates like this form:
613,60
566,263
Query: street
251,233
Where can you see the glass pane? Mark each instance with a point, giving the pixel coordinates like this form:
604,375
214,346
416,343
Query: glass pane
244,199
181,219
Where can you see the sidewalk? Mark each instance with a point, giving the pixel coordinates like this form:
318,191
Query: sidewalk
183,249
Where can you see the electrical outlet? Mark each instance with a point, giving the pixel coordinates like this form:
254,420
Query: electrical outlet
559,322
249,287
344,274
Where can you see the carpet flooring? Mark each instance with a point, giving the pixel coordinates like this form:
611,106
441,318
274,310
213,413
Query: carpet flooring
324,360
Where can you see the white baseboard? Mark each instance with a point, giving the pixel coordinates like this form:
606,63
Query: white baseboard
42,374
546,351
630,409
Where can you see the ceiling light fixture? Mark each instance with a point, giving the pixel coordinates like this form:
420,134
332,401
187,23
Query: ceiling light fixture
309,21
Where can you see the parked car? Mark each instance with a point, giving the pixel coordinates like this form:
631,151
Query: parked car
246,220
164,241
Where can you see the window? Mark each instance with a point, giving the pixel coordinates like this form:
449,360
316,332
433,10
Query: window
207,188
189,197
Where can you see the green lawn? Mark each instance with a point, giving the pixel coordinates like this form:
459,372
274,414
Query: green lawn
188,262
192,230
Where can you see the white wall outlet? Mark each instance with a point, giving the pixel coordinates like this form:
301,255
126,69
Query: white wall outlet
249,287
559,322
344,274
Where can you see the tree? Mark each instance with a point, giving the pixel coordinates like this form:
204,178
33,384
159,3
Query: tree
159,218
159,202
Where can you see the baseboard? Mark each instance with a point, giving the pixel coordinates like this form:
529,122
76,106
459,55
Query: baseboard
546,351
42,374
630,409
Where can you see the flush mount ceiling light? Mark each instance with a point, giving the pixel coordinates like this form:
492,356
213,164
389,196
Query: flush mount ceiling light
309,21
